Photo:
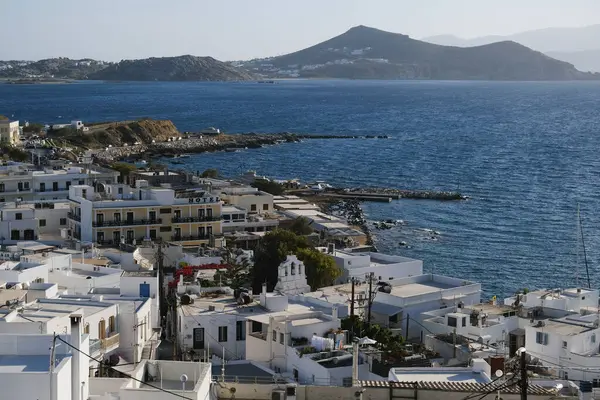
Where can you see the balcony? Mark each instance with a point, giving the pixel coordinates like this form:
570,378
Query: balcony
179,238
127,222
74,217
51,190
176,220
103,346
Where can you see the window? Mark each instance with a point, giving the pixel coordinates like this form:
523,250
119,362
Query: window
564,345
42,187
120,190
464,321
394,319
256,326
18,216
55,186
1,187
153,234
293,268
593,338
165,211
68,185
541,338
281,337
253,207
222,334
82,182
265,207
240,330
452,321
274,336
42,222
86,330
165,229
15,235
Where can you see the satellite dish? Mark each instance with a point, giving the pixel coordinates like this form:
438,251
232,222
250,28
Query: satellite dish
499,373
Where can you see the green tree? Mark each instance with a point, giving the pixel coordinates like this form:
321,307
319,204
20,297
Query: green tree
3,118
237,273
271,187
210,173
33,128
301,226
14,153
272,250
321,269
124,169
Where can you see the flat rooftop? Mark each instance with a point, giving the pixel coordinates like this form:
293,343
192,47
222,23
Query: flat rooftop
490,309
416,289
30,363
243,372
141,274
450,375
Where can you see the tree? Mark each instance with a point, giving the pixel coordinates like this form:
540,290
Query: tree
3,118
321,269
33,128
14,153
237,273
210,173
124,169
268,186
272,250
301,226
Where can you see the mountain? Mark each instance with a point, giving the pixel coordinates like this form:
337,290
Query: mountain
585,60
182,68
544,40
63,68
368,53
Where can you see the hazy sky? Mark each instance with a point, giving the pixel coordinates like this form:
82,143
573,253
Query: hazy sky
240,29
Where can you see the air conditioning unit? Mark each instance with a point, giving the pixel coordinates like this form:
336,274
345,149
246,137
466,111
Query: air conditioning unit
278,394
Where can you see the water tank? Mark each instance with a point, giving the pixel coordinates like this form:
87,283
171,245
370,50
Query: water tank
185,300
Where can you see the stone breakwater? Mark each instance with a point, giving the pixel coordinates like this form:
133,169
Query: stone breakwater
397,194
201,144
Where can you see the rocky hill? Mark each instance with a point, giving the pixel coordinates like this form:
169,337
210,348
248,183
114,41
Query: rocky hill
118,134
183,68
62,68
368,53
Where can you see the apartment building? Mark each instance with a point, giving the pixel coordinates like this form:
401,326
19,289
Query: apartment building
32,221
24,183
114,214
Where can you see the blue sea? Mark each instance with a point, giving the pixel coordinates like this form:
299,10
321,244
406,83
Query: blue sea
526,153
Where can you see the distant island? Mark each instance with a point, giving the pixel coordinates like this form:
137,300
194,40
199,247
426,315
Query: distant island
369,53
360,53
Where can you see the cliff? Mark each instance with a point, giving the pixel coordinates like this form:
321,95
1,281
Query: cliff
368,53
118,134
183,68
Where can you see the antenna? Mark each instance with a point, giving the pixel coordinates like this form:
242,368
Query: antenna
583,246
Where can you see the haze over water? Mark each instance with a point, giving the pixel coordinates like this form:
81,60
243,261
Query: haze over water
526,153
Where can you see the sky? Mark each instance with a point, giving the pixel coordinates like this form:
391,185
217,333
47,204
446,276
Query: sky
113,30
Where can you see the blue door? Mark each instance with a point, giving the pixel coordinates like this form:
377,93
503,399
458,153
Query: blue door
144,289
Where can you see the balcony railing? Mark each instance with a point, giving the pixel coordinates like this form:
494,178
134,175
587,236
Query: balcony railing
98,346
194,219
74,217
127,222
51,190
180,238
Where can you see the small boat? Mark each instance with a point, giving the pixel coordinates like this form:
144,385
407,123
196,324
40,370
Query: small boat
184,156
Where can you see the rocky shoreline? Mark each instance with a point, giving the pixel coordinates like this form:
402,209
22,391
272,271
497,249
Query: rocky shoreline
201,144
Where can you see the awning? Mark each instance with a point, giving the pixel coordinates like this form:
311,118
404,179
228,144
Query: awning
385,309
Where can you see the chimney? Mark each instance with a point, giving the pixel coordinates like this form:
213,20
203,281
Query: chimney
76,332
585,390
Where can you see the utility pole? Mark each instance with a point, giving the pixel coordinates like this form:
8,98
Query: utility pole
161,284
524,383
52,352
407,322
370,298
352,303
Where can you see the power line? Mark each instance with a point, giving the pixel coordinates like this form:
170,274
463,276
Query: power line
127,375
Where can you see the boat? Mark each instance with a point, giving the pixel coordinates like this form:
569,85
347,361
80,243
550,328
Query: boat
184,156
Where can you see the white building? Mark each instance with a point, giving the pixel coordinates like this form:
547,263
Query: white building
23,271
183,379
9,132
32,221
573,300
406,298
22,181
28,372
384,267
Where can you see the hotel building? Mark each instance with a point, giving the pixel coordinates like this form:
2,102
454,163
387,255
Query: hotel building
115,214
